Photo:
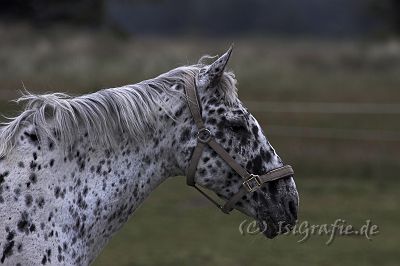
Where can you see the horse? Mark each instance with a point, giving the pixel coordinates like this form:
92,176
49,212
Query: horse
74,169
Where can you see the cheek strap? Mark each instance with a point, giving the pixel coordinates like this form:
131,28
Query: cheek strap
250,183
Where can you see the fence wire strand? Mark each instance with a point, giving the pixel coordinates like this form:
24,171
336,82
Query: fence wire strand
323,108
333,133
328,108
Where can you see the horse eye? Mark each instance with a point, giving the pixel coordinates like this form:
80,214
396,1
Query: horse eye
236,127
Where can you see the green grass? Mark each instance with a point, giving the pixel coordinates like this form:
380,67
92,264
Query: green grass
354,180
178,227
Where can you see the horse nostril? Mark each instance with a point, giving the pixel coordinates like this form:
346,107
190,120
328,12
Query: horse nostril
293,209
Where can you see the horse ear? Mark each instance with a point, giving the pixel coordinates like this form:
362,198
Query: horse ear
213,73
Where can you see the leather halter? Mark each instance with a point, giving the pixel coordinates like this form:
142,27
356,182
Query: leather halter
250,183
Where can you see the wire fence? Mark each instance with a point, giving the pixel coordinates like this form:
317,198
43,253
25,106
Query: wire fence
333,133
328,108
324,108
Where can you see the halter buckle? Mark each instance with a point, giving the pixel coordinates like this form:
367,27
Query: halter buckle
252,183
204,135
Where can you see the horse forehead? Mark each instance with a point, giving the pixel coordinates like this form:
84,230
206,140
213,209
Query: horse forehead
239,113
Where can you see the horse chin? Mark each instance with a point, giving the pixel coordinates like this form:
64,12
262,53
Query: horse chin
268,229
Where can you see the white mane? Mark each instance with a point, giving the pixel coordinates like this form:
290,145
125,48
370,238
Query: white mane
129,109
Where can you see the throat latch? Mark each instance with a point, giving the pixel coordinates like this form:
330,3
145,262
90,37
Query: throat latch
251,182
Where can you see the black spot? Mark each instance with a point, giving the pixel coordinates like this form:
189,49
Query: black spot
33,178
185,136
10,236
3,175
35,156
7,251
51,162
85,191
32,165
202,172
255,145
179,112
220,110
255,130
255,166
23,223
40,202
32,137
266,156
212,121
17,191
48,253
206,159
81,202
32,228
44,260
28,200
135,191
146,160
21,165
98,169
81,166
51,145
219,134
57,191
213,101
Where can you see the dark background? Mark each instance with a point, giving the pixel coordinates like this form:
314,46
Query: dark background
322,77
345,18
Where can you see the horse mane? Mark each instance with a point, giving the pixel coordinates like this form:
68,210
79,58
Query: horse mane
131,109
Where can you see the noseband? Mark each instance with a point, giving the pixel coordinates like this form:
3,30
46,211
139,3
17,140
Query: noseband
251,182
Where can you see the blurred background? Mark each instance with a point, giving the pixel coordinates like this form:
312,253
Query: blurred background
322,77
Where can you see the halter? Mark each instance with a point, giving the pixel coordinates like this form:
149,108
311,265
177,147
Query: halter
251,182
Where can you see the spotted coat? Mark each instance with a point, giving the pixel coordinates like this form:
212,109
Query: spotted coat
61,206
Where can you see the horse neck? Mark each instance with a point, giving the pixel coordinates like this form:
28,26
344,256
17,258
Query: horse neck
89,192
78,196
123,177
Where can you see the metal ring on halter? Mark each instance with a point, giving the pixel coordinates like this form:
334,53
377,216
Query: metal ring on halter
204,135
252,183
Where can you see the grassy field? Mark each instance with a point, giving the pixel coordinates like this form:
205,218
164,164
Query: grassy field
347,178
